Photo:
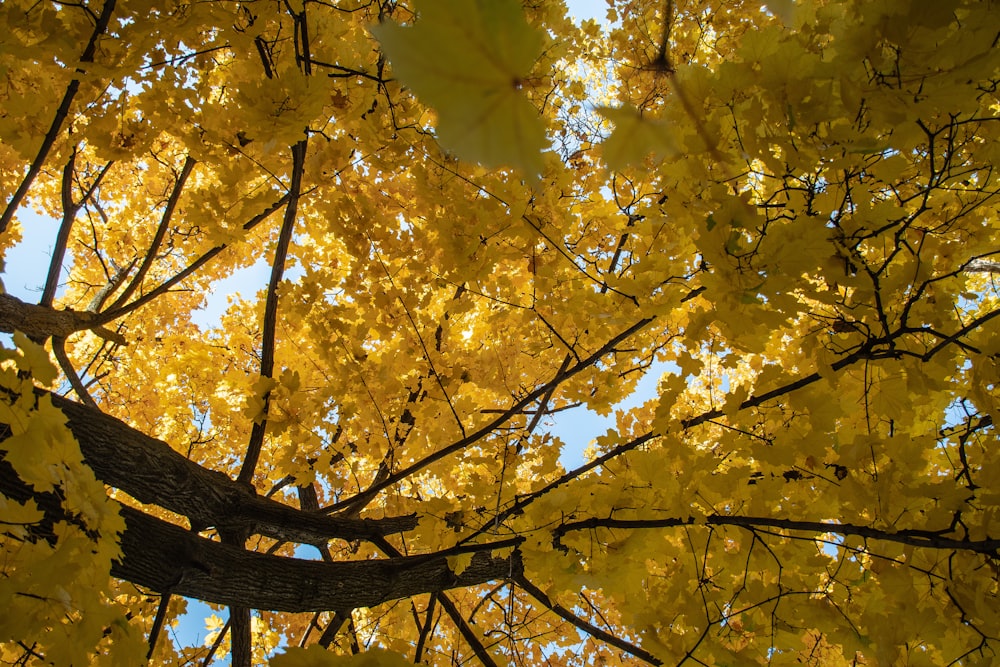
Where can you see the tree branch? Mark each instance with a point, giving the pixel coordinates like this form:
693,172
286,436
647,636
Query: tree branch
61,114
271,310
70,209
585,626
112,314
161,232
479,434
41,322
151,472
171,560
59,350
162,556
470,637
913,537
867,351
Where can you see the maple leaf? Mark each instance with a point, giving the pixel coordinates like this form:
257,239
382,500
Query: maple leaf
469,60
723,402
634,138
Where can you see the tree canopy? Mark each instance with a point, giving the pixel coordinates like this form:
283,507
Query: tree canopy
478,217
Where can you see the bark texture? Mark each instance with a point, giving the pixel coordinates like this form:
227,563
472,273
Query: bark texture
151,472
170,559
165,557
41,322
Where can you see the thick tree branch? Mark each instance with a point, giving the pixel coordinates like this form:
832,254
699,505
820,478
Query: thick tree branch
240,636
49,502
162,556
983,266
157,628
70,209
151,472
41,322
171,560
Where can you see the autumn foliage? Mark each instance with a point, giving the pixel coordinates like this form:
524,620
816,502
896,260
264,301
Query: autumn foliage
480,219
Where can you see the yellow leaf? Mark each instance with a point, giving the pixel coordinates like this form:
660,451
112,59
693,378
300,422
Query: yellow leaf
634,138
469,59
36,359
459,563
16,516
318,656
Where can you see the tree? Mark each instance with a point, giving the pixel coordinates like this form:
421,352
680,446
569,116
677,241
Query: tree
479,216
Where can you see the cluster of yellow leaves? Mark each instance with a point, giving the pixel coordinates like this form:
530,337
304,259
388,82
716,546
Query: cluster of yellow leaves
316,656
790,200
54,584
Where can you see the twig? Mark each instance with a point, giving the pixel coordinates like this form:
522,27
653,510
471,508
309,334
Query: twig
584,625
61,114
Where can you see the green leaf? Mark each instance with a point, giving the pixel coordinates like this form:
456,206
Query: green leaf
468,59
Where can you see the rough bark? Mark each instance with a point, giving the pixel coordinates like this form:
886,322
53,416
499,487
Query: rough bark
41,322
151,472
165,557
171,560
